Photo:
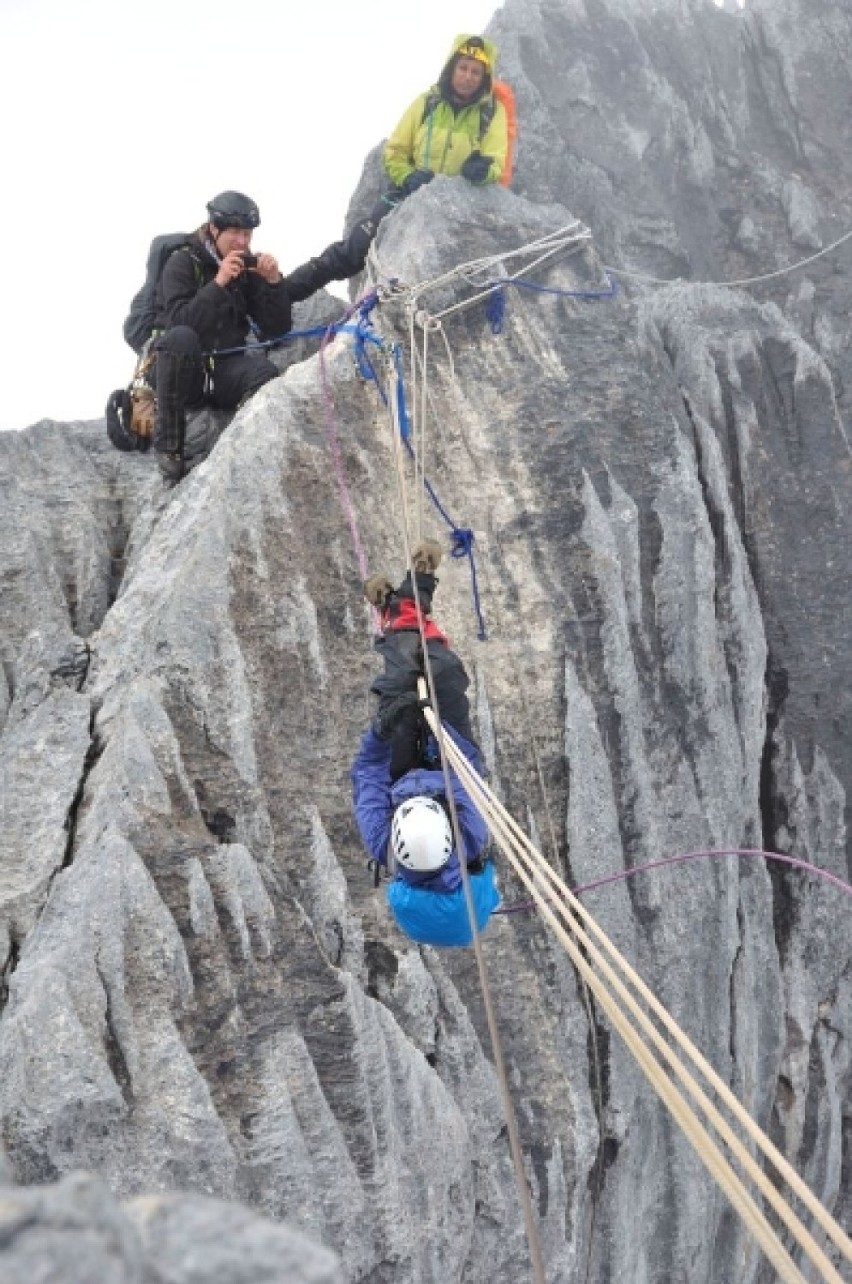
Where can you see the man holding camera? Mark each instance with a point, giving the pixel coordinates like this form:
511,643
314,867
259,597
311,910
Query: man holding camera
212,292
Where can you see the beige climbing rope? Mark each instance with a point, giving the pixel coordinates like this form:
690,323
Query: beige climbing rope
557,902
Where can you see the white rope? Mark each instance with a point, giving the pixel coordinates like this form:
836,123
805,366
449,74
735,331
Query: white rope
570,237
542,881
506,280
413,365
554,899
732,285
547,241
420,457
515,1148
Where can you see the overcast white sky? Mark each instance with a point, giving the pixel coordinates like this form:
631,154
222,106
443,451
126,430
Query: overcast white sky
121,120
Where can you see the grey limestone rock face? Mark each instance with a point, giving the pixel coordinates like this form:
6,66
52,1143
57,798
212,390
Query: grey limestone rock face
77,1232
202,990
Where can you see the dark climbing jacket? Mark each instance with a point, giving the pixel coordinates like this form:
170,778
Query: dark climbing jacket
188,295
179,289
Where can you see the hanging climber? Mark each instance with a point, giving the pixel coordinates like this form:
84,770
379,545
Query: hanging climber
210,293
398,785
458,127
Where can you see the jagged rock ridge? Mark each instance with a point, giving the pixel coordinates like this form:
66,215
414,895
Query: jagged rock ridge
202,990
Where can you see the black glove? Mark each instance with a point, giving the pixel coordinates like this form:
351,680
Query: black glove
391,714
416,179
476,168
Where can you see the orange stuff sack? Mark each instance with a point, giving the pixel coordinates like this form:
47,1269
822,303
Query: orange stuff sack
504,94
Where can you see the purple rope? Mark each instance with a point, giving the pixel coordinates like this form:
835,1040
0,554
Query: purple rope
685,856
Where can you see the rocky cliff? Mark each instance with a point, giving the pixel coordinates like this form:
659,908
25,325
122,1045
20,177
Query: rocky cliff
201,989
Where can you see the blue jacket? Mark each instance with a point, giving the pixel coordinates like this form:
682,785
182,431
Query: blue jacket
428,918
375,799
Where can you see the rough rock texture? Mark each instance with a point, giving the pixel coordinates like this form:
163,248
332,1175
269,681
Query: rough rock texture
202,991
77,1232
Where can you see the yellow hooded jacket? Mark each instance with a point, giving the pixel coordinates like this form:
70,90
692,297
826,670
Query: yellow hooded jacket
444,140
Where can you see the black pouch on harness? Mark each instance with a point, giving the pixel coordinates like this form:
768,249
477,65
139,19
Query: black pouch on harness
131,413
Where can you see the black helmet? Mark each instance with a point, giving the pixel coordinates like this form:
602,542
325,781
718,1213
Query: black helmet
232,209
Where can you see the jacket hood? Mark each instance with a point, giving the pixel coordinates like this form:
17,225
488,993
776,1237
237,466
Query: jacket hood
490,50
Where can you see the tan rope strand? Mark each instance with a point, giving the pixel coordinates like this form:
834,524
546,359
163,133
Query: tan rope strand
707,1151
498,818
685,1116
515,1148
521,685
779,1162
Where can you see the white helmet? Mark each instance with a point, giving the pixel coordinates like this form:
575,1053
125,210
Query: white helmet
420,835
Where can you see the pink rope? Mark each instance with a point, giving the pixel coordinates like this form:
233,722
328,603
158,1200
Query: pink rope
334,445
623,874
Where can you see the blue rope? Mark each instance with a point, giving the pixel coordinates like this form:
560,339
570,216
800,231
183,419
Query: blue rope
316,332
495,307
404,421
462,536
462,546
495,303
610,293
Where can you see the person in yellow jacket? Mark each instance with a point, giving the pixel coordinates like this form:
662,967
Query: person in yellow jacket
456,128
442,131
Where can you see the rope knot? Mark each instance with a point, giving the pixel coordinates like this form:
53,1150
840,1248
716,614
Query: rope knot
495,308
462,538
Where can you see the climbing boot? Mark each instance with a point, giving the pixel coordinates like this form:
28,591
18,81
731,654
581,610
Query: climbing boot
172,466
426,556
377,590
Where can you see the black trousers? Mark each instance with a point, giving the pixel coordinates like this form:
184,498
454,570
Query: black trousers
403,661
180,376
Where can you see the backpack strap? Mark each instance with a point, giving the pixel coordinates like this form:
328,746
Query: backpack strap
432,99
487,108
191,248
